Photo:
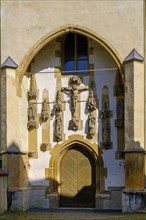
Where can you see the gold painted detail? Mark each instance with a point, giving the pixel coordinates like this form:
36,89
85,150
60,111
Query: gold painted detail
74,89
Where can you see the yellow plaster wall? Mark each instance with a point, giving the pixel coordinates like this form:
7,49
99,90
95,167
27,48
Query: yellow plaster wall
115,20
13,117
139,103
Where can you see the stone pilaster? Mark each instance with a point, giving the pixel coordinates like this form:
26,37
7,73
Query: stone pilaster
133,194
134,96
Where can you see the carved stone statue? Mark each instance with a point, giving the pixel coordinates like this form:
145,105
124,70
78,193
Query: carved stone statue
74,89
44,112
91,103
58,105
105,113
91,125
106,133
58,127
74,124
31,116
75,80
32,93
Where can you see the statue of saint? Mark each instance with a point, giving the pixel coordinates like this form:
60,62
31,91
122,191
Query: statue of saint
91,125
44,112
58,127
106,133
31,112
58,105
32,93
91,103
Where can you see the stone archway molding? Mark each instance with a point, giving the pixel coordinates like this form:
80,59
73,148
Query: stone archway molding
56,33
59,149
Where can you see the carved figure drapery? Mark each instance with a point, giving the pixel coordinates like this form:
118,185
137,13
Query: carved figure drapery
91,124
32,93
58,105
31,116
58,127
91,106
74,89
44,112
58,118
91,103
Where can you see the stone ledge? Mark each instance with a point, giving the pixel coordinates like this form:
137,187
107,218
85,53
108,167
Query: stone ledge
3,172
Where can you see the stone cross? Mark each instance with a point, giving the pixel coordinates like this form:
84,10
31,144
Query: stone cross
74,89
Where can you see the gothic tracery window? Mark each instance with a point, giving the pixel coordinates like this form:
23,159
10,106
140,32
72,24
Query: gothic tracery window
75,54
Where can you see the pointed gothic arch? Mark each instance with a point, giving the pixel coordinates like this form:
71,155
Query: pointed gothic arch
56,33
59,150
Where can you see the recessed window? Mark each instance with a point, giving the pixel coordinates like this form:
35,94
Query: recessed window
76,54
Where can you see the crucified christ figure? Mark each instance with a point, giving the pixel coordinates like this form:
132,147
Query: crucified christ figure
74,91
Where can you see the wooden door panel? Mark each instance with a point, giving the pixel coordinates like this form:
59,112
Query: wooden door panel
69,175
76,187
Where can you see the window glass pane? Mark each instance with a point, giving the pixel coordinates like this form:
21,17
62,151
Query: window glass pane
82,55
76,49
70,52
82,65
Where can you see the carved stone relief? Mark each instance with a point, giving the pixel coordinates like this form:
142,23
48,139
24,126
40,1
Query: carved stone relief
32,93
58,127
58,105
105,112
73,90
105,115
44,112
74,124
91,106
58,131
91,103
31,116
91,125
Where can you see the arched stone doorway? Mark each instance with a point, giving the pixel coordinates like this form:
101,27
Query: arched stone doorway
77,186
81,155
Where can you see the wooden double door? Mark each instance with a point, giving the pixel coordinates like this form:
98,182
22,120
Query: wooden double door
77,175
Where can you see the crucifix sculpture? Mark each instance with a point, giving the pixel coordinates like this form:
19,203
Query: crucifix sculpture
74,89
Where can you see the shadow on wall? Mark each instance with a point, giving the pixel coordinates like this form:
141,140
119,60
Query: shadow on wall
17,165
24,194
85,198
